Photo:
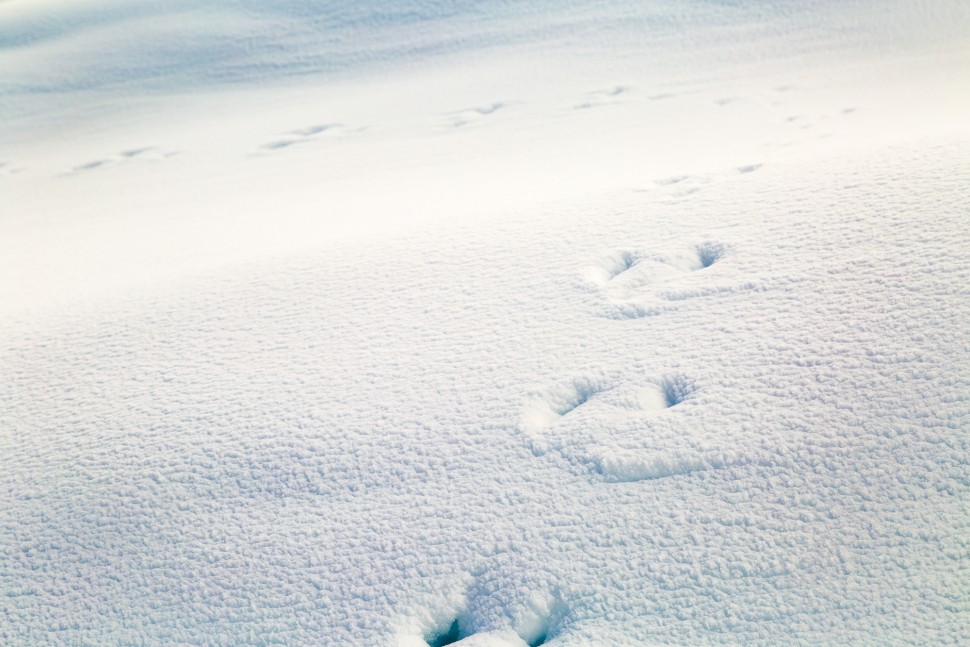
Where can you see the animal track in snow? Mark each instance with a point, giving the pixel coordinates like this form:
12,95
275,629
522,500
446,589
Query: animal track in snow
497,638
665,393
820,125
630,279
567,399
629,437
306,135
7,169
670,181
602,98
612,266
559,401
708,253
145,153
528,623
679,186
468,116
451,635
683,185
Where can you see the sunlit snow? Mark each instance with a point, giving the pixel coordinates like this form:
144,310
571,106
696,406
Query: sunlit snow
490,323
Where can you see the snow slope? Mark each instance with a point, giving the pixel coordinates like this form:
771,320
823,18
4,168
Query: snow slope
504,323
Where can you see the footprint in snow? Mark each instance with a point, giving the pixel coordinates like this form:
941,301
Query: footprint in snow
680,186
638,284
570,400
558,402
531,622
601,98
469,116
8,169
677,187
621,432
306,135
143,154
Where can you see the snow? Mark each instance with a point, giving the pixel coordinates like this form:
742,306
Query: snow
504,323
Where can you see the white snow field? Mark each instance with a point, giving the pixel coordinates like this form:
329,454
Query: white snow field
484,322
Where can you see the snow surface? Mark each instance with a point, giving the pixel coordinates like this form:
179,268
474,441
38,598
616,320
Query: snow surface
504,323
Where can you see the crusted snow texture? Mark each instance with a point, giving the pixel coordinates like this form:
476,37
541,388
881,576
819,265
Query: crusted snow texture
541,361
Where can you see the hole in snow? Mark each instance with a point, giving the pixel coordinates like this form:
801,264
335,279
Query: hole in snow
709,253
546,409
623,261
611,266
537,621
539,640
676,389
668,392
451,635
575,398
